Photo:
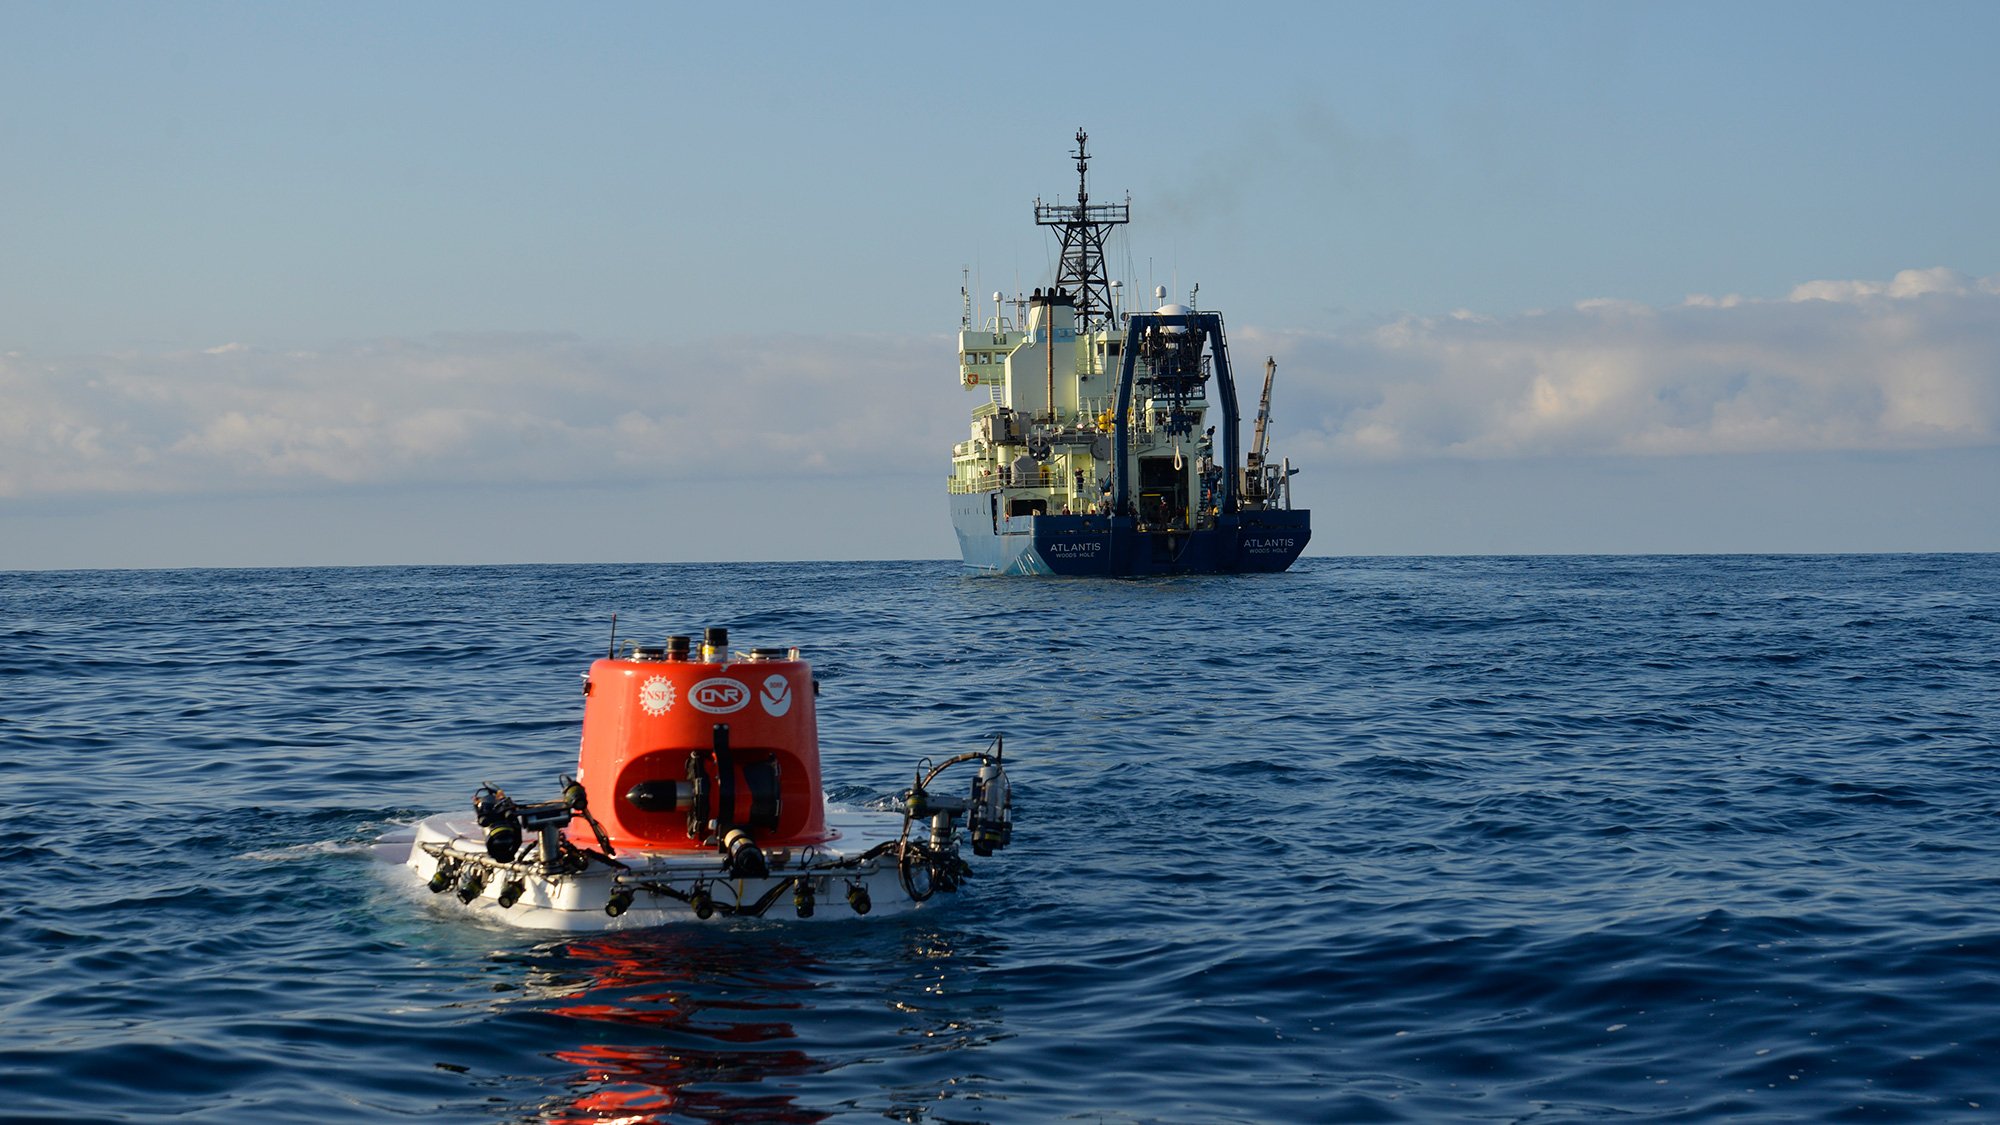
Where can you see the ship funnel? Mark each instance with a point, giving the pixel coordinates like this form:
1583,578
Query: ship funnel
1052,312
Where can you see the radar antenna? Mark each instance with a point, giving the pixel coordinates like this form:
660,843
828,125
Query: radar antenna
1083,229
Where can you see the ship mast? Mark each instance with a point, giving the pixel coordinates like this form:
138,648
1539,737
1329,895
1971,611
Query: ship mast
1083,229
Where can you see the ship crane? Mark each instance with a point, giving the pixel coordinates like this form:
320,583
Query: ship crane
1256,490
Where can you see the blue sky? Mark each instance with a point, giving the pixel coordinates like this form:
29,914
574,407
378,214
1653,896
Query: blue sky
396,272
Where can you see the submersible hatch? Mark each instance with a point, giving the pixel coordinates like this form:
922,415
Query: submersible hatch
697,794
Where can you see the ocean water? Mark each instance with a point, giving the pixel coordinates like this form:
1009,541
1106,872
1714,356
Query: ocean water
1505,839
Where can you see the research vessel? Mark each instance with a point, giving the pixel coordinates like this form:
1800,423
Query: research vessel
1095,451
697,795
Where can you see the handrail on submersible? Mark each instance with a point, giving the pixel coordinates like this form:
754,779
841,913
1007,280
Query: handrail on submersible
1210,325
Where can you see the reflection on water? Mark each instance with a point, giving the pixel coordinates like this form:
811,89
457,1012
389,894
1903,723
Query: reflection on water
701,1023
634,1084
671,996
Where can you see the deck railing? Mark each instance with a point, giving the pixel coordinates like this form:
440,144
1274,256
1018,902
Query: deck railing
1041,477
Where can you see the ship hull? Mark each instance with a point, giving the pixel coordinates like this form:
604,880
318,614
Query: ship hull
1258,542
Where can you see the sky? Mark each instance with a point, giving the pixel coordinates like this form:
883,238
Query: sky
373,284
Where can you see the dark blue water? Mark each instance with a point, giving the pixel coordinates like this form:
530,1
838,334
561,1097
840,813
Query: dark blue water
1376,840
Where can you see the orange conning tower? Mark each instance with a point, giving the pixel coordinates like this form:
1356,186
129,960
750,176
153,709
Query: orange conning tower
679,748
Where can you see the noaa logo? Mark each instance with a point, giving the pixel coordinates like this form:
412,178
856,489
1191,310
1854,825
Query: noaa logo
657,696
718,697
776,696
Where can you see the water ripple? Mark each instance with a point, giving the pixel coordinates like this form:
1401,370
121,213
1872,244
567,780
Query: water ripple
1376,840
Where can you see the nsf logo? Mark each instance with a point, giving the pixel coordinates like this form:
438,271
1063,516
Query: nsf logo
657,696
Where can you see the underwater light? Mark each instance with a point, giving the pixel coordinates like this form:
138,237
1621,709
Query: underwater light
704,906
510,893
619,902
746,859
503,842
802,896
857,897
445,875
474,884
988,815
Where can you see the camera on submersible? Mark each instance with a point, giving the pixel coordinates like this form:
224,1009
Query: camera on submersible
987,810
508,822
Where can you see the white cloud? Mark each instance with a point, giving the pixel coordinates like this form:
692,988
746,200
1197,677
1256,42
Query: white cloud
1908,283
484,409
1912,363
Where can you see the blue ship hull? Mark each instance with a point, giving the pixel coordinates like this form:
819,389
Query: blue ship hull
1254,542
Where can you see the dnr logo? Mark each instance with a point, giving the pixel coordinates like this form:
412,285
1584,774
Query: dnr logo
718,697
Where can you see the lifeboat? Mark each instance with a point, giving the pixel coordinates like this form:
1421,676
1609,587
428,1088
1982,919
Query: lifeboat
697,795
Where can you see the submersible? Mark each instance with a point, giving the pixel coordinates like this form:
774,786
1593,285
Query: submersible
697,795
